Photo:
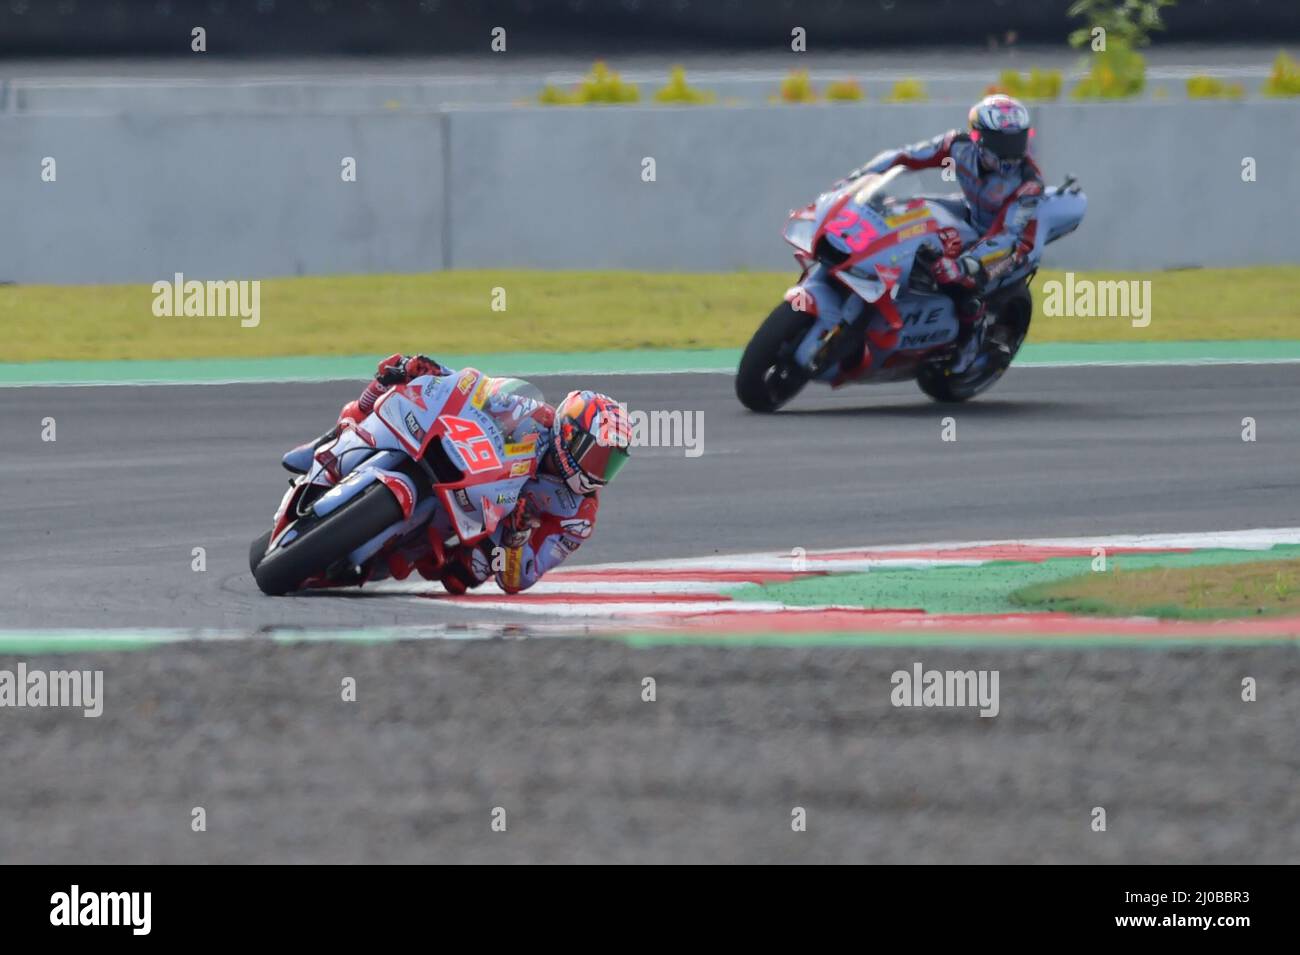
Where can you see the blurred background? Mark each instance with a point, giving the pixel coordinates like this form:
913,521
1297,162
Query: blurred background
207,136
325,27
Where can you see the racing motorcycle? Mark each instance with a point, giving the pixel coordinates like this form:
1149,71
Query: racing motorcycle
427,471
866,308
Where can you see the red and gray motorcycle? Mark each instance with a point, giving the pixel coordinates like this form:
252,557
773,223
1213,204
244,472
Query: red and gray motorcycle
428,471
866,308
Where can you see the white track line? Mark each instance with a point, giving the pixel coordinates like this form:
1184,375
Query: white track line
1256,539
556,584
600,598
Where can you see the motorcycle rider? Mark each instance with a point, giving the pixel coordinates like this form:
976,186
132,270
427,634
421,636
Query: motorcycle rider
1001,185
581,443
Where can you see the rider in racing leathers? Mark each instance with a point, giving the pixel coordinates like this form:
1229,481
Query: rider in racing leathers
581,445
1001,185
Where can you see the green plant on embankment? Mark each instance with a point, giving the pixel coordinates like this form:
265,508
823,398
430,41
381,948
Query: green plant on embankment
844,91
1211,87
907,91
600,85
1038,85
795,88
1284,80
679,92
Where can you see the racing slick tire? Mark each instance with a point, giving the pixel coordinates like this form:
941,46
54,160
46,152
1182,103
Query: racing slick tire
767,377
1010,312
327,540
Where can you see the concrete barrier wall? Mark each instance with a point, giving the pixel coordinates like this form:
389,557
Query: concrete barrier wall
1164,182
139,197
224,195
240,96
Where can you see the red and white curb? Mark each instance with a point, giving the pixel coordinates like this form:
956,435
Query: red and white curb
694,592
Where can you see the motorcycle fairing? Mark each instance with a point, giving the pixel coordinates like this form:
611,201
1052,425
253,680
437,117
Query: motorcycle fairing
412,420
879,239
476,510
405,422
806,225
450,410
423,512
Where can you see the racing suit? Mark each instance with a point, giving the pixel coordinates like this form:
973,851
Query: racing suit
549,520
1002,204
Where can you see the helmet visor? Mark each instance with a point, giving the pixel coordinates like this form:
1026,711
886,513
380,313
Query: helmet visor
1005,145
596,459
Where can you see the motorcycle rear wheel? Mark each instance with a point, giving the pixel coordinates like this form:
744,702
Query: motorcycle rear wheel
1011,312
327,541
767,377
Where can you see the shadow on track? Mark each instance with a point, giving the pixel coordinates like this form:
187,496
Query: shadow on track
928,409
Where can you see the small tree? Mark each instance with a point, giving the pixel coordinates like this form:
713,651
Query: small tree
1116,28
1127,22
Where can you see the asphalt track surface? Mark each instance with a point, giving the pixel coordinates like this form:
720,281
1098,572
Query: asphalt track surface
100,525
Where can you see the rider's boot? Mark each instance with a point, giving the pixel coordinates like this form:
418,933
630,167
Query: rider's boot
978,332
970,337
298,461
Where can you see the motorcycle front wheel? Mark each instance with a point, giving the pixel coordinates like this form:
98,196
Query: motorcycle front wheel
768,377
326,541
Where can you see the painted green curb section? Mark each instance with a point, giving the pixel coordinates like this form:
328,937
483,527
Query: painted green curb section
524,364
1157,353
35,643
982,589
23,642
356,367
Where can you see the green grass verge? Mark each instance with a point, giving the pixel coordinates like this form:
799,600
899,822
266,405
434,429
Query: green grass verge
995,587
451,312
1267,588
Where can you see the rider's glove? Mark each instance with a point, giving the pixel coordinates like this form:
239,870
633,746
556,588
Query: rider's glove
419,365
949,241
390,370
398,369
956,270
520,523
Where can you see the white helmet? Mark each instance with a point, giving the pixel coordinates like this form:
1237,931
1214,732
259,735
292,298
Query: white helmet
999,125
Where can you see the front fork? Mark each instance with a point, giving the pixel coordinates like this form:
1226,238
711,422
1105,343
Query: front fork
834,310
